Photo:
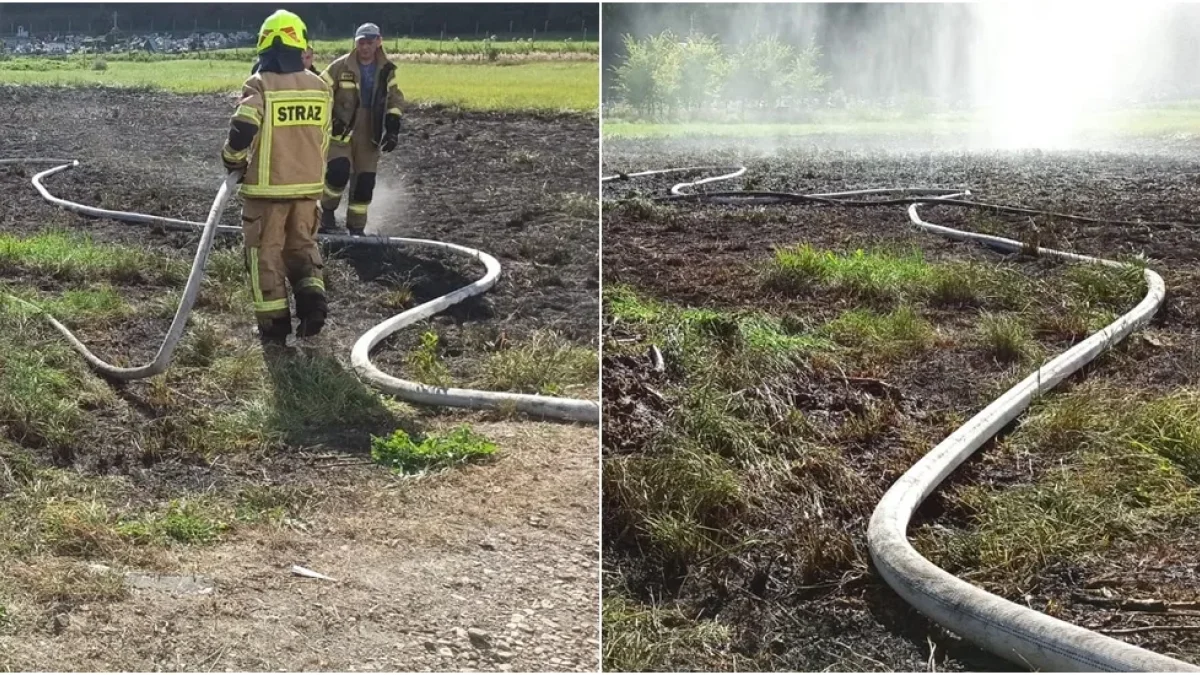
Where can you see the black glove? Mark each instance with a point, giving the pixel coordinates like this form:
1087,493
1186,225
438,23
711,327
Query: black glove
391,130
339,128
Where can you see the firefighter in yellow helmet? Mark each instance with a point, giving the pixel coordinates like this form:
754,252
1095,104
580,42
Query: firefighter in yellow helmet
366,121
278,137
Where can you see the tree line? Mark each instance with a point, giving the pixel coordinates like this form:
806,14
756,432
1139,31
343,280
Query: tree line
663,75
324,20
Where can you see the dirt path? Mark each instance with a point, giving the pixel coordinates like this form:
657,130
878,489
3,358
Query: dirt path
418,564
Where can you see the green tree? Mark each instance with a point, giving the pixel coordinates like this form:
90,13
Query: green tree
648,78
635,75
804,78
759,72
703,71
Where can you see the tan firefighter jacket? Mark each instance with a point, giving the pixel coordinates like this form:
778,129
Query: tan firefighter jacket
287,156
344,77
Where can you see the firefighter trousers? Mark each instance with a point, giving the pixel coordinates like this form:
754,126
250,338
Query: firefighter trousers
280,242
359,158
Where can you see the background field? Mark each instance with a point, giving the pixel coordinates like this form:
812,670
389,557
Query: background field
1180,118
412,48
553,85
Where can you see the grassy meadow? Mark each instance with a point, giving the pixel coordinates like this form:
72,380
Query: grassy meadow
452,79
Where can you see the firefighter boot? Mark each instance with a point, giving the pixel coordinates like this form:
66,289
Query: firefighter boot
274,332
328,221
312,309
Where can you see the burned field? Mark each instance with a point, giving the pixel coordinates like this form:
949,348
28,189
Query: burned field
227,470
770,371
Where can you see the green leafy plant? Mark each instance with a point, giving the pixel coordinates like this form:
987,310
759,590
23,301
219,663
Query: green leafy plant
426,363
435,451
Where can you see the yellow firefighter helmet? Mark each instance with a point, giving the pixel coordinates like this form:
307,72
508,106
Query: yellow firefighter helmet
285,27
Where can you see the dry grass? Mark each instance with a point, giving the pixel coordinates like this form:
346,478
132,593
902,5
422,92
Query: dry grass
763,450
1114,469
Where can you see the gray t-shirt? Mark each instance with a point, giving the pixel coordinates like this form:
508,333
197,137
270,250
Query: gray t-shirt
366,88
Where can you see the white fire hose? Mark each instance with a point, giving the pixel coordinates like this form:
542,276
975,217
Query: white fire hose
360,356
1016,633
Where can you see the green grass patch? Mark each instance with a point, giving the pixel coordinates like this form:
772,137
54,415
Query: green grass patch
97,304
1117,471
883,275
641,209
226,283
238,371
731,349
316,391
298,401
872,275
44,385
624,304
436,451
58,512
78,258
1006,337
1182,118
902,332
639,638
566,85
1170,428
79,527
91,305
1118,288
675,503
186,521
545,364
204,342
397,299
712,421
574,204
969,284
327,50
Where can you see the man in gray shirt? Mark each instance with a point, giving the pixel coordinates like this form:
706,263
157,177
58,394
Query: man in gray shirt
366,121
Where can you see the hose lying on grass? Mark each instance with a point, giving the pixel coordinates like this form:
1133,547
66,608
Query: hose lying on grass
1016,633
360,356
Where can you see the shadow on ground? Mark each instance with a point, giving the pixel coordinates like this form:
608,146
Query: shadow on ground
317,401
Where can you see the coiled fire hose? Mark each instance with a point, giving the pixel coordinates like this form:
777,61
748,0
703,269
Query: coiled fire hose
360,356
1016,633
